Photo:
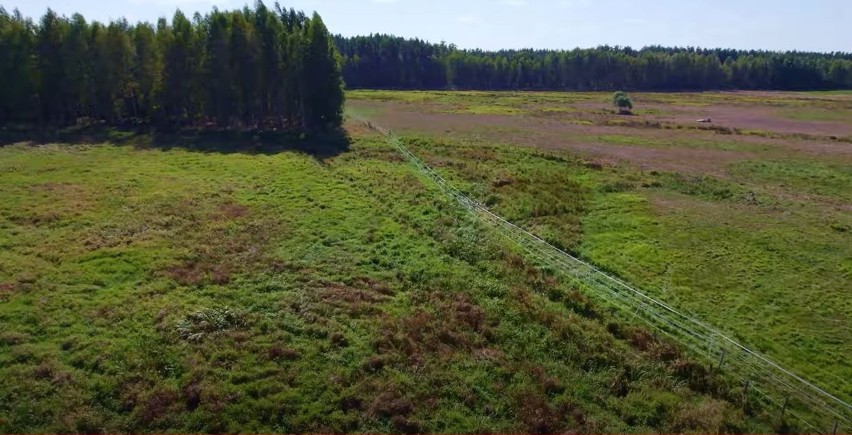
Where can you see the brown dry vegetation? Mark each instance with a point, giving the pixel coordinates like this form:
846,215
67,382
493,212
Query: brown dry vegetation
664,136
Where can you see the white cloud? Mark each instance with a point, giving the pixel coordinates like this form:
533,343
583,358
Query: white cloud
468,19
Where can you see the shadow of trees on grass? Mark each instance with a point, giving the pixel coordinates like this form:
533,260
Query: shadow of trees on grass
319,145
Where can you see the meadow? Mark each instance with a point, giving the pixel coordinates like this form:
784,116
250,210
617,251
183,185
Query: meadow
744,222
170,284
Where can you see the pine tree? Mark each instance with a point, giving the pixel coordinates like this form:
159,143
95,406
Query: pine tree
17,69
146,71
78,75
217,69
245,52
117,56
322,87
50,69
179,71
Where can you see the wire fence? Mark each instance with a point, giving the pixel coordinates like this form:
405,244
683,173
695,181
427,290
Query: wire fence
818,410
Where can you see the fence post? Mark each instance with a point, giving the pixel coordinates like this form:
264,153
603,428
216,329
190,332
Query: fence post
784,407
834,431
721,360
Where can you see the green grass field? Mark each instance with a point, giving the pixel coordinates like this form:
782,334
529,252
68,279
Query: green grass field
167,288
774,272
750,234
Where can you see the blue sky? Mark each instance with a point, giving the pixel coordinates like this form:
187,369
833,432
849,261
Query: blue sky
814,25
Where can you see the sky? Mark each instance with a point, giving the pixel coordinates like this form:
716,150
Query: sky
807,25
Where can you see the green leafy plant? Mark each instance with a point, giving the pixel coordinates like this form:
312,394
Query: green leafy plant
622,101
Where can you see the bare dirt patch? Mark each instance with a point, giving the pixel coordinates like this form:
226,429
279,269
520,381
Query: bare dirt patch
65,199
217,253
6,290
709,162
753,118
358,129
553,134
232,210
458,324
350,299
679,154
54,187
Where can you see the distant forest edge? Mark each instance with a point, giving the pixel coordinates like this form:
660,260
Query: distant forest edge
389,62
246,68
273,67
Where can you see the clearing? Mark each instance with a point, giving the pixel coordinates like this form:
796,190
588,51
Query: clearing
155,285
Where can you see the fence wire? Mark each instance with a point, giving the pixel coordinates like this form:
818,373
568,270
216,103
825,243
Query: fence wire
818,410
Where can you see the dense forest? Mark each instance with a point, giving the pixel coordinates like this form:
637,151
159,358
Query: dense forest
382,61
279,68
242,69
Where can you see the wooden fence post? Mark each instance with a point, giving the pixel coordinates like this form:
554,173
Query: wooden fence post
721,360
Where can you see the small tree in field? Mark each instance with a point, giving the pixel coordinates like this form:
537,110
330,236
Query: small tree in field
622,101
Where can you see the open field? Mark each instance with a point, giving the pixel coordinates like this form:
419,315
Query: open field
151,284
155,288
746,221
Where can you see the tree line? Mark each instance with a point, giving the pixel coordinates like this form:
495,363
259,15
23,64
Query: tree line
384,61
246,68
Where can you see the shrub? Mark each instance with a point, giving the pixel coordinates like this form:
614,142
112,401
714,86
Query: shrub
199,325
622,101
